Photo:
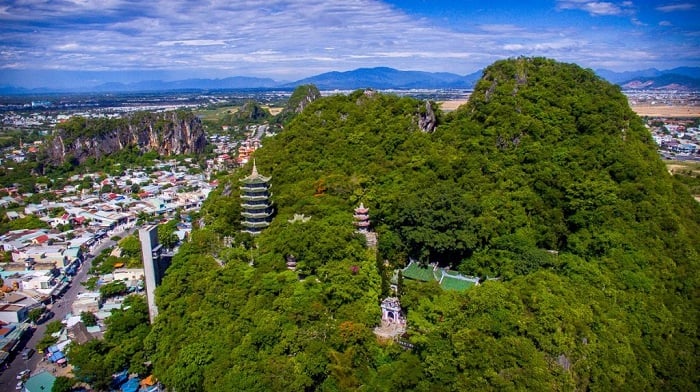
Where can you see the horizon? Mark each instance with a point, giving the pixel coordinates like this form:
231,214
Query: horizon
86,44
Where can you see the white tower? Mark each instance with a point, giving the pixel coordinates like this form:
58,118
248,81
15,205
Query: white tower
151,253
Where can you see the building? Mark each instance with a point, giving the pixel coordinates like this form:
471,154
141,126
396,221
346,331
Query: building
86,302
151,251
393,323
40,382
257,207
448,280
362,218
362,222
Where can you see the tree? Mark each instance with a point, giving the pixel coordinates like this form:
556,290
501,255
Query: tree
166,234
88,318
46,342
35,314
91,283
63,384
89,365
112,289
53,327
131,247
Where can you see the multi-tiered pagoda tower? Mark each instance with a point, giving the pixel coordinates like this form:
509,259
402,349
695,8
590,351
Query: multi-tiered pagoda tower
257,207
362,218
362,222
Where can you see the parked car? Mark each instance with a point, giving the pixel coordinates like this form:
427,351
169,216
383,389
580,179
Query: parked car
27,353
24,373
20,385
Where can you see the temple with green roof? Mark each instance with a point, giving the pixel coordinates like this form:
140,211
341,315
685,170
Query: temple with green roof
257,207
448,280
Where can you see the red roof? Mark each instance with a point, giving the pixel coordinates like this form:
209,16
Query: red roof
41,239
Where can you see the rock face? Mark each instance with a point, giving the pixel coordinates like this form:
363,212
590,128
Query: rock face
252,111
302,97
169,133
427,120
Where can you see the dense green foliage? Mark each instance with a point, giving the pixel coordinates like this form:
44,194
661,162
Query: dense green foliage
63,384
546,179
35,314
300,98
95,361
88,318
27,222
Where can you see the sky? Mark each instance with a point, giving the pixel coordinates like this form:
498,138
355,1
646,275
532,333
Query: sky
44,42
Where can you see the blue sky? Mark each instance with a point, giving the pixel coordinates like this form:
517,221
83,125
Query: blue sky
94,41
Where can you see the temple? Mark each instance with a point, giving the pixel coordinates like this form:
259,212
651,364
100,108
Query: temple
362,222
362,218
393,323
257,207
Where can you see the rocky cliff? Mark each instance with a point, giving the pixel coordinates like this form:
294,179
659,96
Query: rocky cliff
169,133
301,97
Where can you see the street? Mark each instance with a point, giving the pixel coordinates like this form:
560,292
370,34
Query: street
60,308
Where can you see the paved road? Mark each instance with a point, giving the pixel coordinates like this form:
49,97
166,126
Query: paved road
8,379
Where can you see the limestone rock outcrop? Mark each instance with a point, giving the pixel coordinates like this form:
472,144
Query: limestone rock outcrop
168,133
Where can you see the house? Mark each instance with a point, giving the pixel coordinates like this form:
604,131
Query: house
87,302
15,307
41,282
125,274
78,333
10,336
41,256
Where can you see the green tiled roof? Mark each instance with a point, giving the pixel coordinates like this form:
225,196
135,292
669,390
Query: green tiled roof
40,382
448,280
449,283
418,272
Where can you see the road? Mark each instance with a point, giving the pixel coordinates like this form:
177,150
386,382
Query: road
8,378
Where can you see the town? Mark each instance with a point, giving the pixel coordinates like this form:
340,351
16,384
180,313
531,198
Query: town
53,289
53,277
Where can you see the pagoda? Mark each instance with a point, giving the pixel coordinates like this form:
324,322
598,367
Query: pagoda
362,222
257,207
362,218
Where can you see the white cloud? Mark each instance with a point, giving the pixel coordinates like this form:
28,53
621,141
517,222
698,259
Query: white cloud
500,28
288,38
665,23
676,7
598,8
193,42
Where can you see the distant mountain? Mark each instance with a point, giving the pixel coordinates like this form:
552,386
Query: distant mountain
14,90
665,82
622,78
388,78
235,82
378,78
619,77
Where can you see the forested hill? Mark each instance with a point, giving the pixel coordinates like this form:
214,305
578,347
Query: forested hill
546,180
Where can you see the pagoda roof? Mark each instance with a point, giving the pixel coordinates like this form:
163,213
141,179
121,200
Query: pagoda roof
255,177
255,224
256,206
255,198
362,209
263,214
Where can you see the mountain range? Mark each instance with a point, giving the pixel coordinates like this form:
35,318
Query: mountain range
683,78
